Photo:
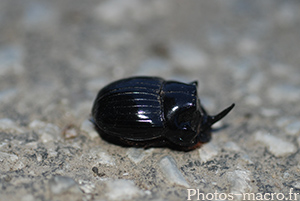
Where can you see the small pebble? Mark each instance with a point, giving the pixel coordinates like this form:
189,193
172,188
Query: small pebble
171,172
70,132
62,184
122,189
95,170
296,184
138,154
275,145
286,175
208,151
52,153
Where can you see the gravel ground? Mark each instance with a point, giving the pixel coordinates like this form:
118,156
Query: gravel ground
56,55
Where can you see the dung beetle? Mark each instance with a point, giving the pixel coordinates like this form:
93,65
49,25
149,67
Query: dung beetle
151,112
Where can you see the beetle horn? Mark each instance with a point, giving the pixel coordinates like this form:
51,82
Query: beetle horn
213,119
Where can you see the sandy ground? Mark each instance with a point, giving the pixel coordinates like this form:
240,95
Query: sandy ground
56,55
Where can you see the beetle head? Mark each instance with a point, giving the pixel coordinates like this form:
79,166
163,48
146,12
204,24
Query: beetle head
183,126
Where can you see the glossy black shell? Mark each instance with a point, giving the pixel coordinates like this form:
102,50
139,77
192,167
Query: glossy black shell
149,111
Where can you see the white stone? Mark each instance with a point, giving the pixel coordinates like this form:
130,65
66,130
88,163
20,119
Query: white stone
39,157
231,146
48,132
239,182
100,156
138,154
62,184
208,151
275,145
18,165
36,124
52,153
32,145
8,157
171,172
9,125
122,190
88,127
246,158
86,186
10,162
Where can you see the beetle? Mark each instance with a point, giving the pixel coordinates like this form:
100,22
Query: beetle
152,112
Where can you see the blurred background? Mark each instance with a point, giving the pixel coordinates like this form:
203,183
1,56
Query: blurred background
73,48
56,55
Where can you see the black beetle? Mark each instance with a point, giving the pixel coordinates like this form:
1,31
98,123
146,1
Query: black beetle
149,111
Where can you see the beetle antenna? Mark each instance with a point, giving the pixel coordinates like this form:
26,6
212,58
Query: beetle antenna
213,119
